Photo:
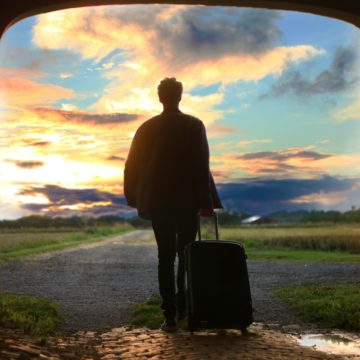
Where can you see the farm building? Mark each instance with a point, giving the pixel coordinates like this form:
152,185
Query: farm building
258,220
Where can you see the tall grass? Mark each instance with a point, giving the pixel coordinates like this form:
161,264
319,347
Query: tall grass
21,243
336,238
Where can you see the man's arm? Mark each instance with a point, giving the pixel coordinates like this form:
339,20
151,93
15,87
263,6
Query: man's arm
209,197
203,173
131,171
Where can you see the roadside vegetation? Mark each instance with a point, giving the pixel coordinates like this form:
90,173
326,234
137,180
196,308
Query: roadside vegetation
321,242
330,306
35,315
325,242
334,306
148,314
29,241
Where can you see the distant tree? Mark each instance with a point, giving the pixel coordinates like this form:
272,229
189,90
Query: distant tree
322,216
352,216
138,222
231,217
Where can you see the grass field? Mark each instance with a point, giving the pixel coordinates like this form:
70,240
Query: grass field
335,306
333,243
328,243
33,314
15,244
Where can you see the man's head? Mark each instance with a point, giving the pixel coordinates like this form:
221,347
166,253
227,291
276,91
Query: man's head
169,91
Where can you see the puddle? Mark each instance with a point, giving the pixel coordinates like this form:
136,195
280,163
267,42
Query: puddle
333,344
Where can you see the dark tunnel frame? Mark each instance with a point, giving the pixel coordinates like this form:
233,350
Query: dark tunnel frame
12,11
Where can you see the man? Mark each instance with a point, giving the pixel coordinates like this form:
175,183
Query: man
167,178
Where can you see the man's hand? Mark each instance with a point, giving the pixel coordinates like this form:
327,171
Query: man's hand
207,212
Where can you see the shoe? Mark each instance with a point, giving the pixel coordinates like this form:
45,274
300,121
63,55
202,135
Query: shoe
169,325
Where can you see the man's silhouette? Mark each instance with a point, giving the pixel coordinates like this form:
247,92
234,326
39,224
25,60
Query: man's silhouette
167,178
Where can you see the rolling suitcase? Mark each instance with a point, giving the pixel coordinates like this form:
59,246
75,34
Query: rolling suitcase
218,289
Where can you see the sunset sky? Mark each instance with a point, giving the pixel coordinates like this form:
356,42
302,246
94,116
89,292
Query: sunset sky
277,91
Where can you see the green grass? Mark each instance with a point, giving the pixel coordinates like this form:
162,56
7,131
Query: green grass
335,306
34,315
331,243
148,314
18,244
302,255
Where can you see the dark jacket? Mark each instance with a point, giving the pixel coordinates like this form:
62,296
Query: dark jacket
167,169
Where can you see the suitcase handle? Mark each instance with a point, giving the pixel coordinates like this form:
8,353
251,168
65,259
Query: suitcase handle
216,222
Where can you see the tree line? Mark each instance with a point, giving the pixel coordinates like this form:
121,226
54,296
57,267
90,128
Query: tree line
314,216
226,217
73,222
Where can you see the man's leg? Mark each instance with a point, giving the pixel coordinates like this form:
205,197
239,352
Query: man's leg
187,227
165,234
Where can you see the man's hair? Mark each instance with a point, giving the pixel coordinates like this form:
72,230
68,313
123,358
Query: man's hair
170,90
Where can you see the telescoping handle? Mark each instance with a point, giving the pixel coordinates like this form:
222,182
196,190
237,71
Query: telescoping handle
216,222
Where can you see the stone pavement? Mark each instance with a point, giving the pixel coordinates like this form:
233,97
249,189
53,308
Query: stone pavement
145,344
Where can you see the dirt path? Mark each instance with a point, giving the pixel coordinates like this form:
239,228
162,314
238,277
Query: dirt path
96,284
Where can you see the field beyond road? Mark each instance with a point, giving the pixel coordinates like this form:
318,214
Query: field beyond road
19,243
325,243
328,243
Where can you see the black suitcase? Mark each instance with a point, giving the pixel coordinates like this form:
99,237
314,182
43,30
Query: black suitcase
218,289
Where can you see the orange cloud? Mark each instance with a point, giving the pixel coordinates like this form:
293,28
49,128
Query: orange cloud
18,91
243,143
322,197
294,162
86,117
215,130
350,112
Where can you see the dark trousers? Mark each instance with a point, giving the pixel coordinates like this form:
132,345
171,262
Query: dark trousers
173,233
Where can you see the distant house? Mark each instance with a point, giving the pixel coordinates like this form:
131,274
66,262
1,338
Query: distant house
258,220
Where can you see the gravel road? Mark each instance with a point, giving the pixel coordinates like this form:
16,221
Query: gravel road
96,284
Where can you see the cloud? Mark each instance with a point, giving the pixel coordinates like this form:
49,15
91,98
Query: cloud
66,75
199,45
285,155
133,88
199,33
264,196
20,91
80,201
243,143
30,164
220,130
19,73
67,196
116,158
79,116
293,162
39,143
350,112
94,210
325,198
340,76
39,59
174,33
